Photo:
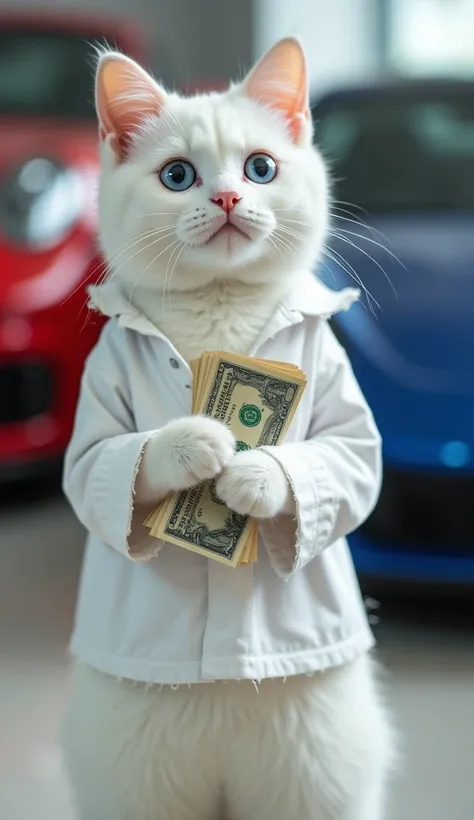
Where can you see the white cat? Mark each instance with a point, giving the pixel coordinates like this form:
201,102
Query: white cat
213,212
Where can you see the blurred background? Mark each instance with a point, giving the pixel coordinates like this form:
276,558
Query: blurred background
392,86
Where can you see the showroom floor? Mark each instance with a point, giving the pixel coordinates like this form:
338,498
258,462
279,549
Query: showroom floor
428,652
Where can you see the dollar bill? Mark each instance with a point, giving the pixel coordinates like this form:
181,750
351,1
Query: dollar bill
257,401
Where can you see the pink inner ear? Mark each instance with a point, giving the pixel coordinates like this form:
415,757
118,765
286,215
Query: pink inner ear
279,81
125,96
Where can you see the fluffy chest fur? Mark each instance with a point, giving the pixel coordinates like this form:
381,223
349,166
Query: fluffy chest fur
225,316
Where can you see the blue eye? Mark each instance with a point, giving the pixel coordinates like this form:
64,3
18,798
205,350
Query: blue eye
178,175
261,168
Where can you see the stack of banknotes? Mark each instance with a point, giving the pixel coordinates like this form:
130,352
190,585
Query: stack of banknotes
257,400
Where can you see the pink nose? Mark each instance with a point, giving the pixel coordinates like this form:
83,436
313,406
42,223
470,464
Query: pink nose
227,200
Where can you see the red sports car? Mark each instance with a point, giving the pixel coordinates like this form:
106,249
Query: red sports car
48,252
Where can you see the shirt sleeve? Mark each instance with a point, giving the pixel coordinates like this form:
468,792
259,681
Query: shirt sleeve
104,455
335,475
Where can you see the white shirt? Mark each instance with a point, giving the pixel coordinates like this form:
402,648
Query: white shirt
157,613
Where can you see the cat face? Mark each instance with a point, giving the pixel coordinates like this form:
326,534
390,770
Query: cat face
214,187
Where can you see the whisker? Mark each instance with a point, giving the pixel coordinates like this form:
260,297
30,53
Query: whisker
369,305
81,285
284,242
336,216
361,224
167,271
107,264
132,242
351,205
355,217
339,260
86,320
292,232
340,235
150,265
300,222
368,255
140,250
274,244
328,267
288,210
378,245
178,256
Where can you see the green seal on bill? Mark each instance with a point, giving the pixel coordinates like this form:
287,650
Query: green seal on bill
241,445
250,415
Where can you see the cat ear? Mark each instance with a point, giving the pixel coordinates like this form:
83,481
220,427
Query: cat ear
125,95
280,81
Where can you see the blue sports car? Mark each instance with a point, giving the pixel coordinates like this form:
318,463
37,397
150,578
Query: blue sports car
402,159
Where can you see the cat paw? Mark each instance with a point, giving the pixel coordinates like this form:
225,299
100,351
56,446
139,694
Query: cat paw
254,484
185,453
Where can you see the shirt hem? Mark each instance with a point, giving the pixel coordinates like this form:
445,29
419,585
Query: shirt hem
226,668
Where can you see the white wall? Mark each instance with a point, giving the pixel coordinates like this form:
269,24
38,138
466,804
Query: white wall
432,37
340,36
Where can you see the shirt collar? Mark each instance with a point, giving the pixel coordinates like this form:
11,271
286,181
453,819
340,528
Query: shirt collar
309,297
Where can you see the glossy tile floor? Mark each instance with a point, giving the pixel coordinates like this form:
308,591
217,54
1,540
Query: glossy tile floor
428,651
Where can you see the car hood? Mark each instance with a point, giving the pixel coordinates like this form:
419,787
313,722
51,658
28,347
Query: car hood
36,278
420,271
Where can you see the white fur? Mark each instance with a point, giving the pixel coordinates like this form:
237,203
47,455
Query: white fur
220,316
217,294
254,484
204,290
310,748
183,454
187,452
313,748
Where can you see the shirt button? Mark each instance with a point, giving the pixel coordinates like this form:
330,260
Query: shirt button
174,364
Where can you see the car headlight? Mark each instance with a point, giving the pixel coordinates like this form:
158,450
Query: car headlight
40,201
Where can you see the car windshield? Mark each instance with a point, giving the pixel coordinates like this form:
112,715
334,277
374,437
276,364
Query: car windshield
45,73
398,152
